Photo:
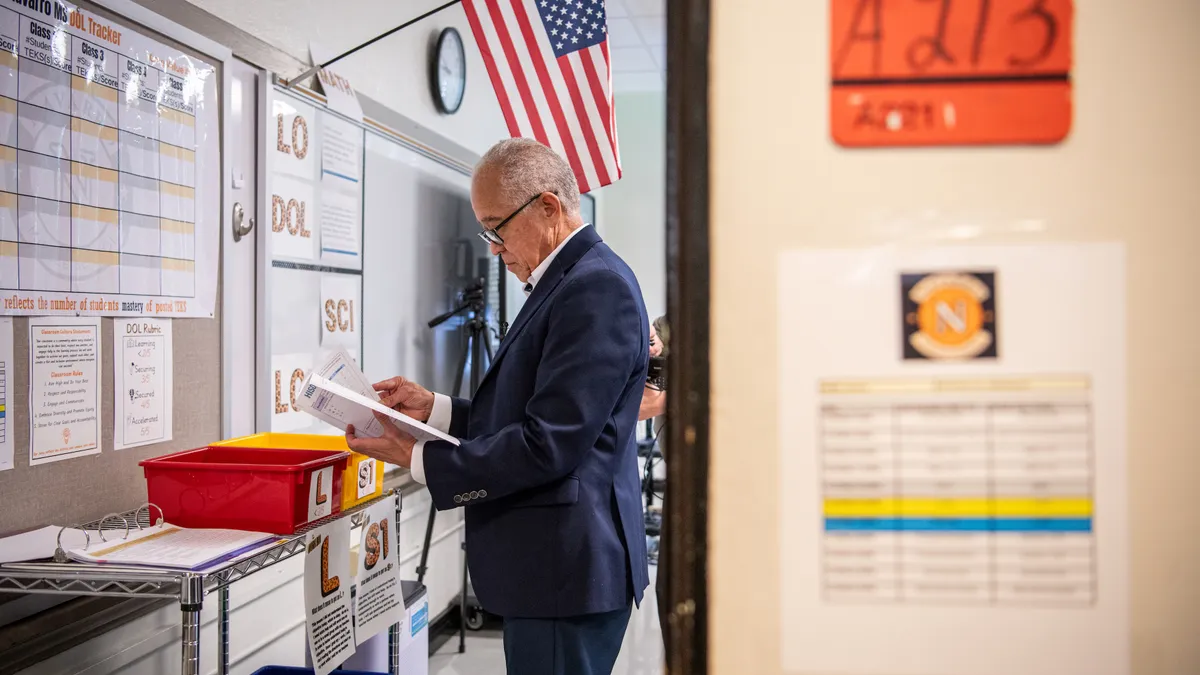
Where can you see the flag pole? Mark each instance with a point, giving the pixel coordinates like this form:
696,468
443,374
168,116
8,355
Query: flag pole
309,73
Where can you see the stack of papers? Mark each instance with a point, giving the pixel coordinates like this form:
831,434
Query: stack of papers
337,392
171,547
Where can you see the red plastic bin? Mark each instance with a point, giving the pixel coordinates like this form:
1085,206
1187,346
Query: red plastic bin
257,489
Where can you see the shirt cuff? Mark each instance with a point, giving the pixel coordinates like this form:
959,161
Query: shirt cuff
418,462
443,411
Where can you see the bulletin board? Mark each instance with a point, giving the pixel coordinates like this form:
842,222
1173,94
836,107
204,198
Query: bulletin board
80,489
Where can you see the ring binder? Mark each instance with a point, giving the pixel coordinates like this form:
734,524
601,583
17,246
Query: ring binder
158,523
100,526
60,556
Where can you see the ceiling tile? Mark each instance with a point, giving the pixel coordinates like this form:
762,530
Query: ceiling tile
653,29
622,33
633,60
645,7
636,82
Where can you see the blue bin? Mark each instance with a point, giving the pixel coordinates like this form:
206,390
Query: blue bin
291,670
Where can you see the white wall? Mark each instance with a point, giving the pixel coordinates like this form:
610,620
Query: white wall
634,208
393,71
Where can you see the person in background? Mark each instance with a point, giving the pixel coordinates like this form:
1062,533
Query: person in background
654,406
547,466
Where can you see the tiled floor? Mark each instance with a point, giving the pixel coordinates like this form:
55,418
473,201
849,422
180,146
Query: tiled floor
640,655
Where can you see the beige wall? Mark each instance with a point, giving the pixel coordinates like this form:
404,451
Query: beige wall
1130,171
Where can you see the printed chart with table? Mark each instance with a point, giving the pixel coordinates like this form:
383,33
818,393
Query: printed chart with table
952,460
108,170
957,490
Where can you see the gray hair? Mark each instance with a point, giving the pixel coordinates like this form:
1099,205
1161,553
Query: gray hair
525,167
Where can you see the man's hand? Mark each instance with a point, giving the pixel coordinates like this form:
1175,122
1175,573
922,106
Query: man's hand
654,403
393,447
406,397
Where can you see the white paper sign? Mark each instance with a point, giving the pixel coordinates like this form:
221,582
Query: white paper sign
341,150
379,603
64,388
327,579
293,150
341,218
288,372
340,94
293,219
320,493
111,222
341,300
367,476
6,368
142,382
953,460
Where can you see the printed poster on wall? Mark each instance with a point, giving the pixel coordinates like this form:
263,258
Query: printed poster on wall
6,369
142,382
115,141
341,298
64,388
380,602
954,470
288,372
327,582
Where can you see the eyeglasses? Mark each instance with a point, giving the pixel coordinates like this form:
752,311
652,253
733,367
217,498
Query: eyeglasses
492,235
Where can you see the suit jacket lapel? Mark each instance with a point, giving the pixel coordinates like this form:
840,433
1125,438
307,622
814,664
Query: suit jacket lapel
563,262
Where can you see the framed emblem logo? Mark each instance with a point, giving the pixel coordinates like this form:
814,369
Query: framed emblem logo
949,315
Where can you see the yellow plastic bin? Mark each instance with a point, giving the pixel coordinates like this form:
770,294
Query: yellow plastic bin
362,481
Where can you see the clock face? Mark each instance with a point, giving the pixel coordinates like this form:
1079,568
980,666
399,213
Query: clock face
450,71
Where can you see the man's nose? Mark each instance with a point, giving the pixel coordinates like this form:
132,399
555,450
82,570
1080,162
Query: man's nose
496,249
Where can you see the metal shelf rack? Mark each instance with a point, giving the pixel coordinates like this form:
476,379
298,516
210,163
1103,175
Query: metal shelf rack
189,588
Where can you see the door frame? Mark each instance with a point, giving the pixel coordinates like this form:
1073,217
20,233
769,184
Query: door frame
686,564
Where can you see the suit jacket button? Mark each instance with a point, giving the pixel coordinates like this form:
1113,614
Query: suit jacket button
483,493
457,499
474,494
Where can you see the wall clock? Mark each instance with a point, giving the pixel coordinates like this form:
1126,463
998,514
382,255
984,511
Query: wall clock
448,72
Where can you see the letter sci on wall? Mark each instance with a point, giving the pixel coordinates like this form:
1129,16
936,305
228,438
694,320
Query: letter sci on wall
950,72
110,199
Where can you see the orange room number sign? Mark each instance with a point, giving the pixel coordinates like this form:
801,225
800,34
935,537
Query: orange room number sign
950,72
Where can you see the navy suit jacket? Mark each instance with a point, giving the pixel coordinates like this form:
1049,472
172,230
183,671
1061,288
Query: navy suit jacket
547,469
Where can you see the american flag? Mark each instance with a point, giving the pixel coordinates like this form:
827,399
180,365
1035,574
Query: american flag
549,64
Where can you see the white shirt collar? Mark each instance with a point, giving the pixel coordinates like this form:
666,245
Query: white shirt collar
540,271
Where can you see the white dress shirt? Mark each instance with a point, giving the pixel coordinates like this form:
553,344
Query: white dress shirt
439,417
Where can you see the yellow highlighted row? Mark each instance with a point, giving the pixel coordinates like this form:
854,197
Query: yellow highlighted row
966,507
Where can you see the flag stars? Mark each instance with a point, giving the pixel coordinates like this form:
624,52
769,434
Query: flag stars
590,34
558,46
574,15
574,40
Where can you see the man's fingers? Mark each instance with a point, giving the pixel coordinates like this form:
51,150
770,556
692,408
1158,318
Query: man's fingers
390,384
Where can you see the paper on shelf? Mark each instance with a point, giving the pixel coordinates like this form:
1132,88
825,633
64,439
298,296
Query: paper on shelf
338,393
171,547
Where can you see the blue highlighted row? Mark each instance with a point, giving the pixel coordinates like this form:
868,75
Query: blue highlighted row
958,524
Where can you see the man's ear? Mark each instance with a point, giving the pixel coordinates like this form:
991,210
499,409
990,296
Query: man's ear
550,205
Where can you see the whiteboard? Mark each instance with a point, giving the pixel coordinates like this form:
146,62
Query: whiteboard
310,268
421,251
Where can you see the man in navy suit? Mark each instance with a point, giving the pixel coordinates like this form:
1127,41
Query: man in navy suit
547,465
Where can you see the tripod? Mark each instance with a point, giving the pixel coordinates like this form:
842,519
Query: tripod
472,304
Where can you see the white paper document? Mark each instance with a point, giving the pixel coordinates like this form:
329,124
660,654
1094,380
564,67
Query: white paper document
170,547
327,580
6,370
64,388
379,603
143,386
338,393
